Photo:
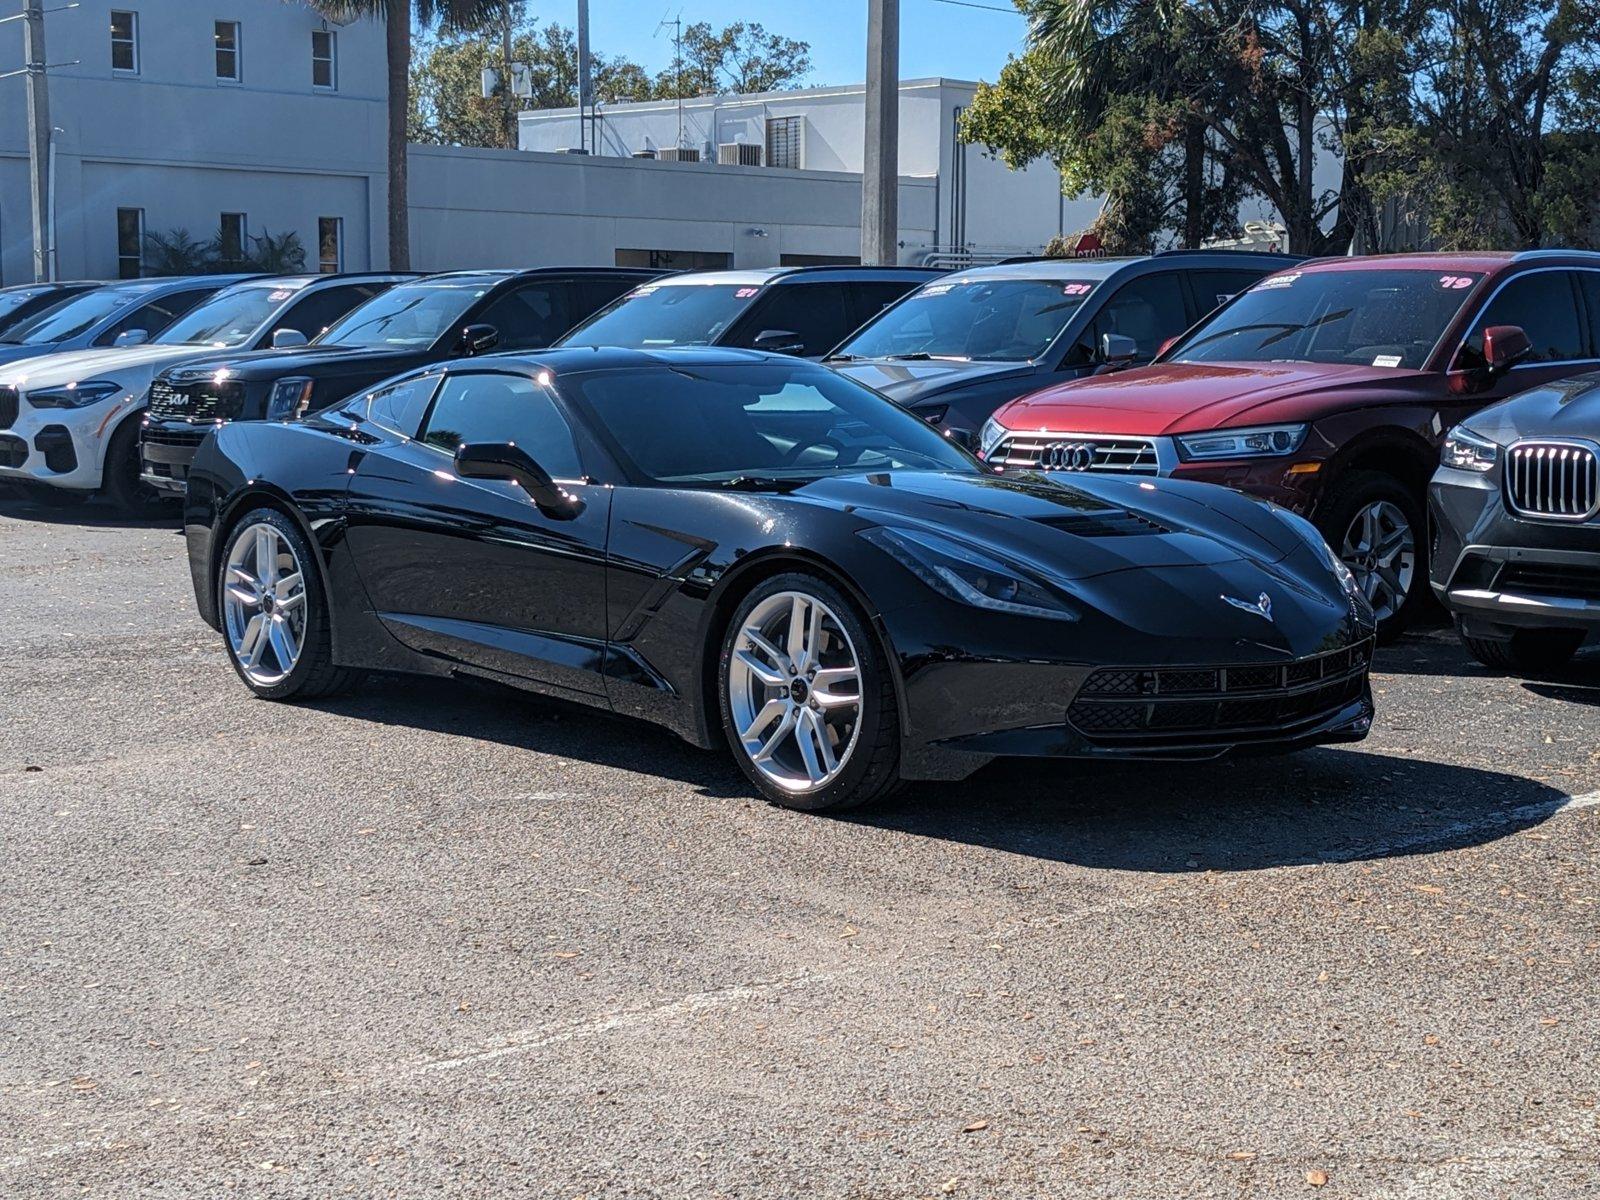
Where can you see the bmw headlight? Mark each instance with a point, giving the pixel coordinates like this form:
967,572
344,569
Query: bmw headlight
290,398
990,436
1264,441
970,575
1468,451
74,395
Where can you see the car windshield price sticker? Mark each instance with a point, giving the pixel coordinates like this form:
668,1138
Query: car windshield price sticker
745,293
1077,289
1387,360
1280,281
1456,283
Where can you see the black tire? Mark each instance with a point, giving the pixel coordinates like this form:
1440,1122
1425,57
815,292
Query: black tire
315,674
1352,494
119,478
1526,650
872,770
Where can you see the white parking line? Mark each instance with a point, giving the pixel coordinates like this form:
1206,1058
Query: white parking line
1535,813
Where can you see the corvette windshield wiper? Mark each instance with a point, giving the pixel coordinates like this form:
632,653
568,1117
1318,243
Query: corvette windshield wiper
766,483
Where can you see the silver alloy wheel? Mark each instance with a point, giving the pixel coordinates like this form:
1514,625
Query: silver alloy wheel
264,604
794,691
1380,548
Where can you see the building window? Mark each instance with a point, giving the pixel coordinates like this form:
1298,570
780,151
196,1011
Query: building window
783,141
231,239
330,245
125,41
130,243
324,59
227,39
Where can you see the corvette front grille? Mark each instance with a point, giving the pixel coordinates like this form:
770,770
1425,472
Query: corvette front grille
1173,706
1559,480
1071,452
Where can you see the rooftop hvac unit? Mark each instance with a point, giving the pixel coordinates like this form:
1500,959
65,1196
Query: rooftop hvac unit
678,154
572,150
643,154
738,154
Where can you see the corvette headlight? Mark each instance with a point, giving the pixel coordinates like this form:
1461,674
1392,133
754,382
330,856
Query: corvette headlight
1264,441
970,575
1319,545
290,398
990,436
73,395
1468,451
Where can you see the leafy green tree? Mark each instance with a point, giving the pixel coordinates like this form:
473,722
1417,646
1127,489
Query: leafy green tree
741,57
1495,135
447,102
397,17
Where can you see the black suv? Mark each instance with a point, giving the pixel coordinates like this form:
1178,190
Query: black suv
961,346
784,310
422,321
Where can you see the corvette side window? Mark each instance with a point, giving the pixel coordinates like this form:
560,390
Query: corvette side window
478,407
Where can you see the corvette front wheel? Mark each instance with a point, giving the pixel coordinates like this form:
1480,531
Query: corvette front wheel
806,698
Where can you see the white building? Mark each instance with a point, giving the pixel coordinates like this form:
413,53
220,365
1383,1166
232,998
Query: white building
980,206
230,116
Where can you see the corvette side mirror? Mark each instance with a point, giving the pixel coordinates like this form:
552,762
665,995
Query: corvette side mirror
478,339
132,337
1504,346
778,341
509,462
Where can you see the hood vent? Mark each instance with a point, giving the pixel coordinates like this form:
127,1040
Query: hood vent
1110,522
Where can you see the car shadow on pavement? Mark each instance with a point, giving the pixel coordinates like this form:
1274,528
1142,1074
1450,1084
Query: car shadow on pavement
88,514
1440,652
540,724
1318,806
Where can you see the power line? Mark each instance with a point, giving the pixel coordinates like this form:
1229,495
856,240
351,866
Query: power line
985,7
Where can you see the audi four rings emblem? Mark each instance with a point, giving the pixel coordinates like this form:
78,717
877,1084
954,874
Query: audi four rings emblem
1067,456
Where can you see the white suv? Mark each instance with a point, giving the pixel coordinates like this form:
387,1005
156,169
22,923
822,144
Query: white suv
70,420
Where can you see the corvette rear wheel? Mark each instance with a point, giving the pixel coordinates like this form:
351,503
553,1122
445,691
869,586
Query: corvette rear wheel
806,698
274,615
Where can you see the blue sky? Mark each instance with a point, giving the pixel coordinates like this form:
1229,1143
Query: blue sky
936,37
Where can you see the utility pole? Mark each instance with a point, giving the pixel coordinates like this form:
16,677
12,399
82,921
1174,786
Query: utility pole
508,100
585,83
677,64
880,166
38,137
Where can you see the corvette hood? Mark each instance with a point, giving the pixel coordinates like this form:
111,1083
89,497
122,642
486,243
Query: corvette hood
908,381
308,360
79,366
1071,531
1180,397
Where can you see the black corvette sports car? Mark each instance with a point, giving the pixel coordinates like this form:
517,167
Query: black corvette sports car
756,550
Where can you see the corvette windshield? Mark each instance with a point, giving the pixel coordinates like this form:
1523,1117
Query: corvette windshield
755,423
1375,318
412,315
70,317
665,315
227,319
987,320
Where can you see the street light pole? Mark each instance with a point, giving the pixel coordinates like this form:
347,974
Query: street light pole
38,137
880,166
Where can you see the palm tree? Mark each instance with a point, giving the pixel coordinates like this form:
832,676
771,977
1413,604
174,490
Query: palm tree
397,17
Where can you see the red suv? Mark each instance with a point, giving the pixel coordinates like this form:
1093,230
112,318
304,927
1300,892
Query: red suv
1328,389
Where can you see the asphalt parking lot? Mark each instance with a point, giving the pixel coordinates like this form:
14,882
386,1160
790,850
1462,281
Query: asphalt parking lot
448,940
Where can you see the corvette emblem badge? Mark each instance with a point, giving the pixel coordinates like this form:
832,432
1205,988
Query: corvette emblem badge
1261,607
